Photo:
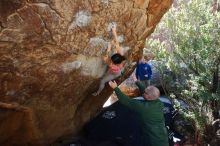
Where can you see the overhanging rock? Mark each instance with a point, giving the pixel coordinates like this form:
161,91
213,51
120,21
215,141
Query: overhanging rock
51,61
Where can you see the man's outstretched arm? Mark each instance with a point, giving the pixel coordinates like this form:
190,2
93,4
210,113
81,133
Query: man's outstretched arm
125,100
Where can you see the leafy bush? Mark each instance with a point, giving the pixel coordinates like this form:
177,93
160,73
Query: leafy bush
186,43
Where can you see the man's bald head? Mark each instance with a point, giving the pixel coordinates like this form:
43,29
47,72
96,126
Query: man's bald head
151,93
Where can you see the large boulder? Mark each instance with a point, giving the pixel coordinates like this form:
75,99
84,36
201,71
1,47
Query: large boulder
51,61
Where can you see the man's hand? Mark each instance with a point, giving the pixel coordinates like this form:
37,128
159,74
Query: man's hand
112,84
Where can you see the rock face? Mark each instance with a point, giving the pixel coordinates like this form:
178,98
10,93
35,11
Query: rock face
51,61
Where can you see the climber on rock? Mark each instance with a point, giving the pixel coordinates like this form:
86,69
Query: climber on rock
115,62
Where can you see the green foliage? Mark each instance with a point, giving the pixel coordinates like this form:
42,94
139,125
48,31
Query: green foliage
200,119
186,43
